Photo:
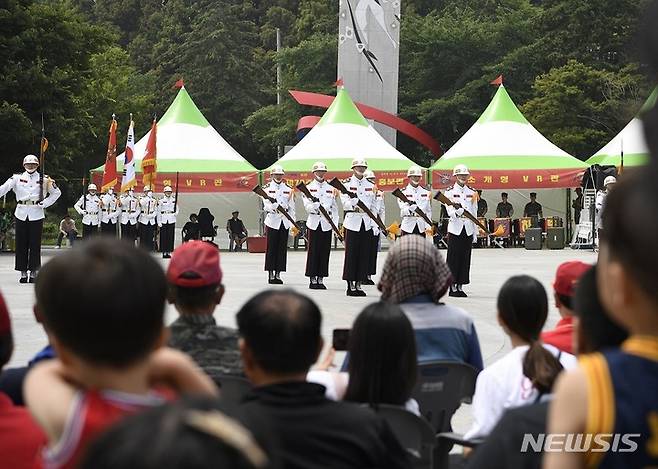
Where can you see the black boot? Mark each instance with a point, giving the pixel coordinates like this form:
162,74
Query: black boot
351,289
277,279
271,278
321,286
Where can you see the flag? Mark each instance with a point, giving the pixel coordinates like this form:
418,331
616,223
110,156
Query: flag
179,83
128,179
498,81
110,177
338,83
149,164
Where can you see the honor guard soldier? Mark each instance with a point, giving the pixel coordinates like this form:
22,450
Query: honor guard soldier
29,214
599,201
129,213
461,230
318,229
109,210
380,210
148,211
89,206
276,225
167,211
358,232
419,197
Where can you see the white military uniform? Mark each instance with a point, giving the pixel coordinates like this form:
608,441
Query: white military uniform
379,209
599,204
167,210
420,197
91,211
129,209
283,194
148,210
465,196
109,206
365,191
327,198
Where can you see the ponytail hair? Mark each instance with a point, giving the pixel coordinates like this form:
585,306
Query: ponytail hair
523,308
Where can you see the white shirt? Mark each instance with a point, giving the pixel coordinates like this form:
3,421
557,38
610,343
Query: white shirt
463,195
167,210
27,189
421,198
109,208
148,210
599,204
129,209
326,195
283,194
89,207
365,191
503,385
380,209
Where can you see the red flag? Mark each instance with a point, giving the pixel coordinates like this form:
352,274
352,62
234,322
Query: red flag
149,164
110,177
179,83
338,83
498,81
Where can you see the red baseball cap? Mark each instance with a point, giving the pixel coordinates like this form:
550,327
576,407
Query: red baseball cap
5,323
567,276
194,264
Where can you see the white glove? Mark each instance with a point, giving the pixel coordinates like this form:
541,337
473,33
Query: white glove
275,207
412,208
160,225
355,202
315,206
459,212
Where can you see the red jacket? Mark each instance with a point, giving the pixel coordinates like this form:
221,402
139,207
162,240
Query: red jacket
561,336
20,437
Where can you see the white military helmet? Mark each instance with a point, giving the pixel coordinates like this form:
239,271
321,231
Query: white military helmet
147,188
30,159
609,180
415,171
167,189
319,166
460,170
359,162
92,187
369,174
277,169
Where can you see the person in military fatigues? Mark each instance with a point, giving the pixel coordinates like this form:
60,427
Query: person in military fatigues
276,225
148,211
129,206
461,231
29,214
167,212
380,210
88,206
318,229
419,197
109,211
504,209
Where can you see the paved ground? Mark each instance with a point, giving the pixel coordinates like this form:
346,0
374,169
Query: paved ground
243,277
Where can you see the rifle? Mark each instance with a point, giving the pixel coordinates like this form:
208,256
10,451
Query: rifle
176,195
259,190
335,182
304,190
84,194
400,195
42,152
446,201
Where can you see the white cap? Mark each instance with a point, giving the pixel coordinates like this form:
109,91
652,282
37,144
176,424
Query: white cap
147,188
92,187
415,171
460,170
319,166
277,169
359,162
369,174
167,189
30,159
609,180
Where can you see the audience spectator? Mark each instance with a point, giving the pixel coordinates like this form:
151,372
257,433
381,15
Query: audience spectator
108,345
195,289
416,277
207,229
528,371
195,433
614,391
236,230
280,340
383,366
567,276
191,228
67,228
593,331
20,437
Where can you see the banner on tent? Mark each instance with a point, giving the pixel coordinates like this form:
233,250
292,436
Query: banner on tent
386,180
514,179
201,182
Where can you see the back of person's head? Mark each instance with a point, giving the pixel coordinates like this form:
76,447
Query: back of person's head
523,308
383,362
595,330
6,338
195,275
194,433
103,301
567,276
282,331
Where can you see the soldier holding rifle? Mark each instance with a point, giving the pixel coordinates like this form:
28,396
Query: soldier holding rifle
416,207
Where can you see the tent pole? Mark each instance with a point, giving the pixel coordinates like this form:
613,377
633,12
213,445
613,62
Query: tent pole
568,211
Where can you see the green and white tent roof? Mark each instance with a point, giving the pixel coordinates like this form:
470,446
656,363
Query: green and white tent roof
187,143
630,140
341,135
503,140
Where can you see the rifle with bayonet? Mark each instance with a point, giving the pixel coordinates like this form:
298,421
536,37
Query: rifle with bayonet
304,190
335,182
261,192
439,196
400,195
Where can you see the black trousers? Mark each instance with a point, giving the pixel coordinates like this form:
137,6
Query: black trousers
415,231
357,254
167,237
374,250
28,244
89,230
147,236
319,247
109,229
276,255
129,232
458,257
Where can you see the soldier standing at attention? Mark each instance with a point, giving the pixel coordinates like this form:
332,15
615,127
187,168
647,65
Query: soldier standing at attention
167,211
504,209
129,213
29,214
109,210
358,231
318,228
276,225
148,211
88,206
461,230
412,222
380,210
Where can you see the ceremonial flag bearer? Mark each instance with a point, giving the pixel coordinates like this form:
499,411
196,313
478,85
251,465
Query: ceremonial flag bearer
148,211
276,225
380,210
88,206
109,211
419,197
167,211
129,214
